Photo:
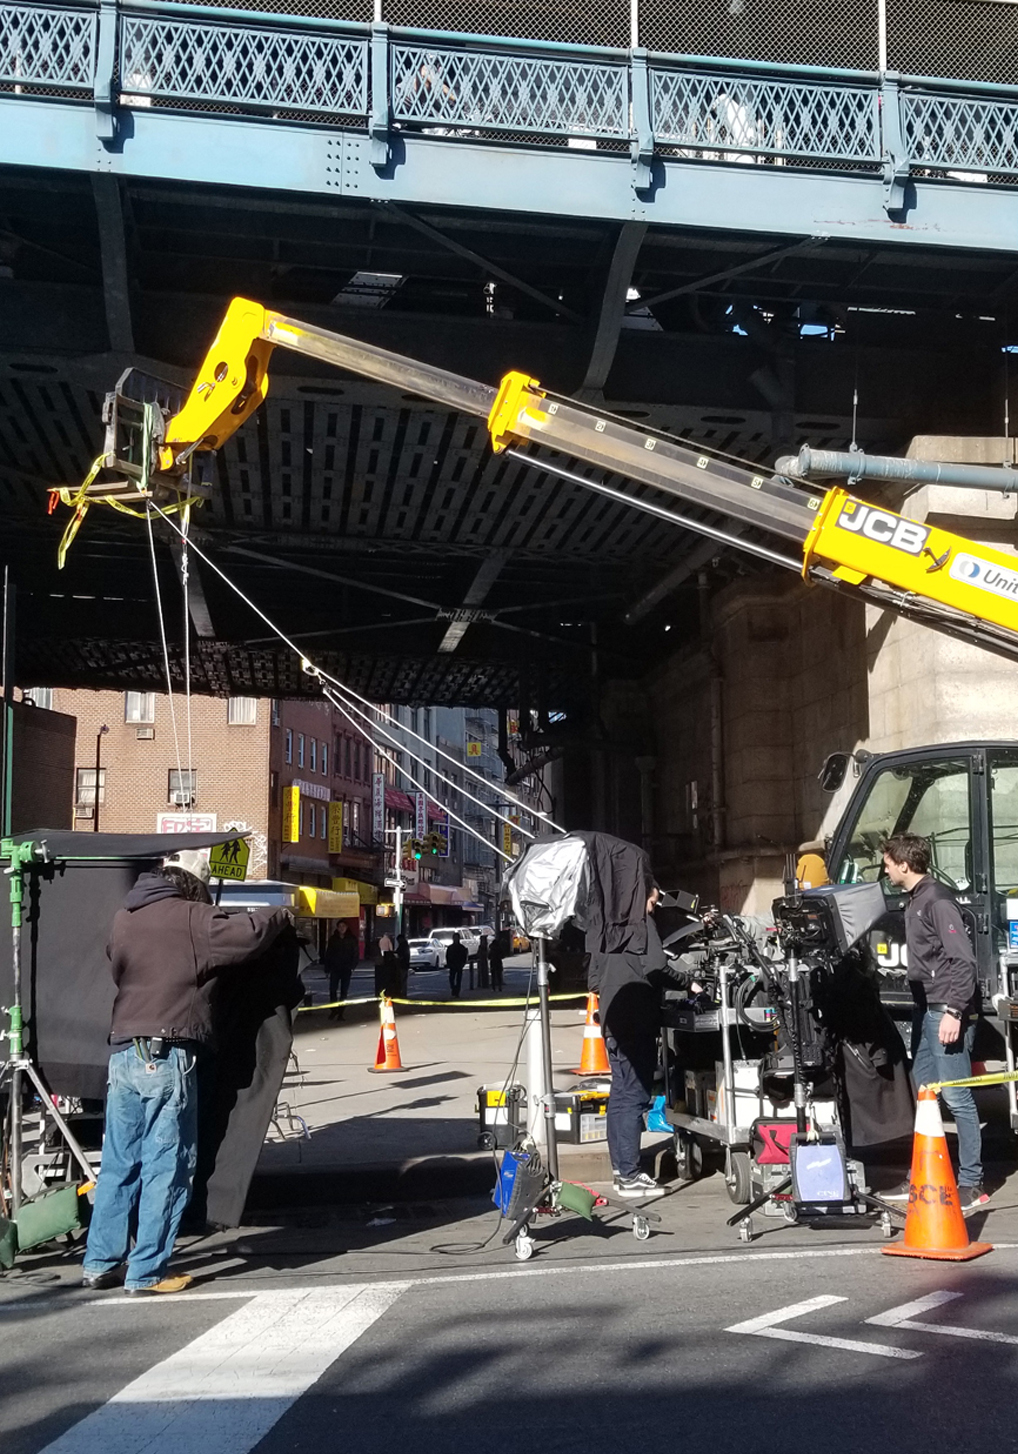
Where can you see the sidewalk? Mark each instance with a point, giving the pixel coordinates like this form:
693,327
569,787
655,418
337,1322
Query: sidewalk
412,1134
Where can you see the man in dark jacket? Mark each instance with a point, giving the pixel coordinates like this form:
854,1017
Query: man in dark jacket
455,959
167,946
342,955
942,978
626,961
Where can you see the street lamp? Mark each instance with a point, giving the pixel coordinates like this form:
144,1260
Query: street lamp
98,764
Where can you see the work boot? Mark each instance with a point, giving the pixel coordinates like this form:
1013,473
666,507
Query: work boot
102,1281
167,1284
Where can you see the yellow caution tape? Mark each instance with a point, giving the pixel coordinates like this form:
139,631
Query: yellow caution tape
1000,1077
441,1004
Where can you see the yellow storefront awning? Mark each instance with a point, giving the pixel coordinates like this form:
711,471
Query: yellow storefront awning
367,893
327,904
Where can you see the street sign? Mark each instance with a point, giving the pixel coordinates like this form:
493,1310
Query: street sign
394,881
230,860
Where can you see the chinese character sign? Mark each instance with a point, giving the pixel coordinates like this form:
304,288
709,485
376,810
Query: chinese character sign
420,815
335,827
291,815
378,805
473,749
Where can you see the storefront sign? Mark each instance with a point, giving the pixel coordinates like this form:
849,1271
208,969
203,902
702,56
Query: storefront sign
335,827
291,814
420,815
378,805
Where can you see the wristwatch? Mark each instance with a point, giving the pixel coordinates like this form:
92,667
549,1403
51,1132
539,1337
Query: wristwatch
956,1014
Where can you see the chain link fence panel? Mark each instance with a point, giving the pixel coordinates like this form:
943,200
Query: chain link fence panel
788,32
962,40
605,22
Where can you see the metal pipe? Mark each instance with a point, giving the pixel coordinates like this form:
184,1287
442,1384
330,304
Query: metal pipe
812,463
549,1084
98,768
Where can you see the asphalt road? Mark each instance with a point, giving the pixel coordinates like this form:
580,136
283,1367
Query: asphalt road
380,1329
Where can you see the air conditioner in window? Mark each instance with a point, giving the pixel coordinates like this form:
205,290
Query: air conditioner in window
182,799
84,810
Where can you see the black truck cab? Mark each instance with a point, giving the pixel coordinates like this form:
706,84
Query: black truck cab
963,798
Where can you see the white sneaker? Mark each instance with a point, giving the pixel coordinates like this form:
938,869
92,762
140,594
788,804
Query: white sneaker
639,1186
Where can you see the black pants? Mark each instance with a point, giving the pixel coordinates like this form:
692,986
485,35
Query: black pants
339,983
630,1037
456,981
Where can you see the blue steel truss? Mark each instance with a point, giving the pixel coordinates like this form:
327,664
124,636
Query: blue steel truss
544,95
375,83
766,117
47,46
244,65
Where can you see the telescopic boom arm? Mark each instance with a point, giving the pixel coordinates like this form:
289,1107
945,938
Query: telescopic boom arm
832,538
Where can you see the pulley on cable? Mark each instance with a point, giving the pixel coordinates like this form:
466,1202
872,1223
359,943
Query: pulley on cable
126,475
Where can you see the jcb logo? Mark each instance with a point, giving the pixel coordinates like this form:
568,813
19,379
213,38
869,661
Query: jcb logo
883,527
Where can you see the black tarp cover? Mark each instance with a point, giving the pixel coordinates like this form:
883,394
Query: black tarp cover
67,990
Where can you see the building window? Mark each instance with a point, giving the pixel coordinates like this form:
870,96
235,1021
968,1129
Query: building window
139,706
182,787
346,823
347,763
242,711
289,744
300,749
84,790
39,697
314,754
275,711
323,821
325,759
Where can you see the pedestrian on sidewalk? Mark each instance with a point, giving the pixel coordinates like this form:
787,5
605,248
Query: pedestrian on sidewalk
167,946
942,978
483,977
342,955
455,959
495,963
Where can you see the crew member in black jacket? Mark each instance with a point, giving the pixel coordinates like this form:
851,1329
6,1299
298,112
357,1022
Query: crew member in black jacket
942,977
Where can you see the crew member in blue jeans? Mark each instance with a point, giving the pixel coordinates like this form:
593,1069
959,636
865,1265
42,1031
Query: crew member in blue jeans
168,946
942,977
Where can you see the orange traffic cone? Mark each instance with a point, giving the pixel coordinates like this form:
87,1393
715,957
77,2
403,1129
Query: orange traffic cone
594,1057
934,1224
387,1055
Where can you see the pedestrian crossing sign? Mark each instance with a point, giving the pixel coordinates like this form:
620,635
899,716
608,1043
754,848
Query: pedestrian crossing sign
230,860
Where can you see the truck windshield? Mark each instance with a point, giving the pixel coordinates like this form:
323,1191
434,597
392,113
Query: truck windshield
929,798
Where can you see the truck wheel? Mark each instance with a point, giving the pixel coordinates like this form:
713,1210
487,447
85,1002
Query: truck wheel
739,1182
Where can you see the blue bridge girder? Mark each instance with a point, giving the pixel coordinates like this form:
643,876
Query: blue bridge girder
161,90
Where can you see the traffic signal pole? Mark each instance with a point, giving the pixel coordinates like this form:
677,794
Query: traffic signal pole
397,893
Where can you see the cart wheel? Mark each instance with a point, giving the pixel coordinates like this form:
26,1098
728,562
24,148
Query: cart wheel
524,1246
688,1157
789,1213
486,1141
746,1230
641,1228
886,1225
740,1181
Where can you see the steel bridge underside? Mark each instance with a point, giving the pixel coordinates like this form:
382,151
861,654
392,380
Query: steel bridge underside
709,283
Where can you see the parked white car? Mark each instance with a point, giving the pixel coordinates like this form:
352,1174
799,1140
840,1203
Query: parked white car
425,955
442,938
